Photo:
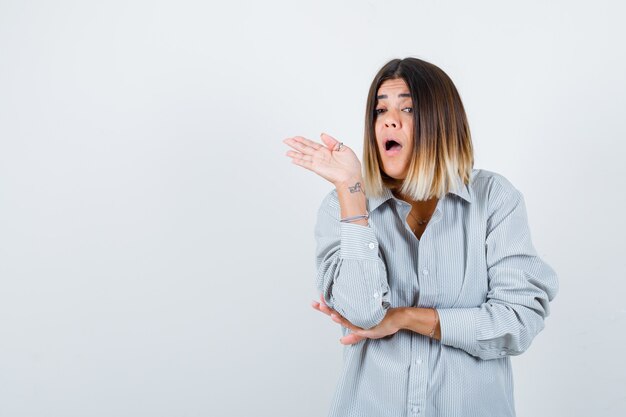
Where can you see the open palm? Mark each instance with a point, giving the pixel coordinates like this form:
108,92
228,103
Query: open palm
336,166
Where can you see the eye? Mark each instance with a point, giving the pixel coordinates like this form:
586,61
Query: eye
379,111
410,109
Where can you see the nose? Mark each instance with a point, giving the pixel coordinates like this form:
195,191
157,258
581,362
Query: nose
392,121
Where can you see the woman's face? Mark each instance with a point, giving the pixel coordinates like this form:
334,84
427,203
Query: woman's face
394,127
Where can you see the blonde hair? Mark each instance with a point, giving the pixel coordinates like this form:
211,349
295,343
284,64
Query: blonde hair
442,144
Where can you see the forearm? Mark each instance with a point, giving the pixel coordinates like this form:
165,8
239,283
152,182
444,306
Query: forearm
419,320
356,287
351,274
352,199
492,330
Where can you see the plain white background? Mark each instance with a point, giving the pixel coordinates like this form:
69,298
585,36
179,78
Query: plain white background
156,244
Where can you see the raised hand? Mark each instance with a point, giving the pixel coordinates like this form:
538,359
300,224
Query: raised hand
336,166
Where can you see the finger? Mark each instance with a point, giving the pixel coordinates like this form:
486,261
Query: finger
316,306
305,164
324,306
337,319
294,144
322,299
363,333
351,339
329,141
321,306
300,144
299,156
308,142
325,309
345,323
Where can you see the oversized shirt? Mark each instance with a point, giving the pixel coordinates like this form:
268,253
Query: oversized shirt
474,263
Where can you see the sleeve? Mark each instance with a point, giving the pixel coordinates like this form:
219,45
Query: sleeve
521,286
351,275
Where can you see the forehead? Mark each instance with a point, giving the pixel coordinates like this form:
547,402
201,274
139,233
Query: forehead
391,88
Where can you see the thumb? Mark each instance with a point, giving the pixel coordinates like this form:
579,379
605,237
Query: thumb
351,339
329,141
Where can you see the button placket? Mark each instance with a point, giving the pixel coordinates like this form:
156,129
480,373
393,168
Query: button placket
418,378
427,273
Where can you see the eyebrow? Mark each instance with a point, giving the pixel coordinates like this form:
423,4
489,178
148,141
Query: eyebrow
399,95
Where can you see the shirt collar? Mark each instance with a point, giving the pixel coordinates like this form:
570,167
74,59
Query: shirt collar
461,190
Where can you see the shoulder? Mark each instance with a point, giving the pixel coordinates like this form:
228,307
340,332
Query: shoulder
491,186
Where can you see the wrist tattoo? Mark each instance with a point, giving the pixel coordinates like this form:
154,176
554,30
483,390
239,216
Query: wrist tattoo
356,188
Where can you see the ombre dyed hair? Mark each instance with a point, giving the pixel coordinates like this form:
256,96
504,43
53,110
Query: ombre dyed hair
442,146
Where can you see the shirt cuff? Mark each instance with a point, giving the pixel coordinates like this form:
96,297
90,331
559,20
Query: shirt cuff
458,328
358,242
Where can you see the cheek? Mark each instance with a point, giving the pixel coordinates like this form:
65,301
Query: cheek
408,125
409,134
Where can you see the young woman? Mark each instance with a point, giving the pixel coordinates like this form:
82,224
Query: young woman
426,262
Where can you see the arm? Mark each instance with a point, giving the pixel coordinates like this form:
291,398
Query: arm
417,319
351,275
521,286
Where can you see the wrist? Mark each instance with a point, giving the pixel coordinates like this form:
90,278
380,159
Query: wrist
419,320
401,318
434,330
349,182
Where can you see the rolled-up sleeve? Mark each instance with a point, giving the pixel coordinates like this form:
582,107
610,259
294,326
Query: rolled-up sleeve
521,285
351,275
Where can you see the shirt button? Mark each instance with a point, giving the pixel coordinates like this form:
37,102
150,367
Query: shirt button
415,409
425,271
502,353
372,245
418,361
375,295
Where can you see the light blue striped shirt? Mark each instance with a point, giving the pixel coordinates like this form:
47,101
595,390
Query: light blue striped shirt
475,263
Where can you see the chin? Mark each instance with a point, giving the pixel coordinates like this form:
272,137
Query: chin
394,175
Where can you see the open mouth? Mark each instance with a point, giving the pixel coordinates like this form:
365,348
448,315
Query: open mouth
392,146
